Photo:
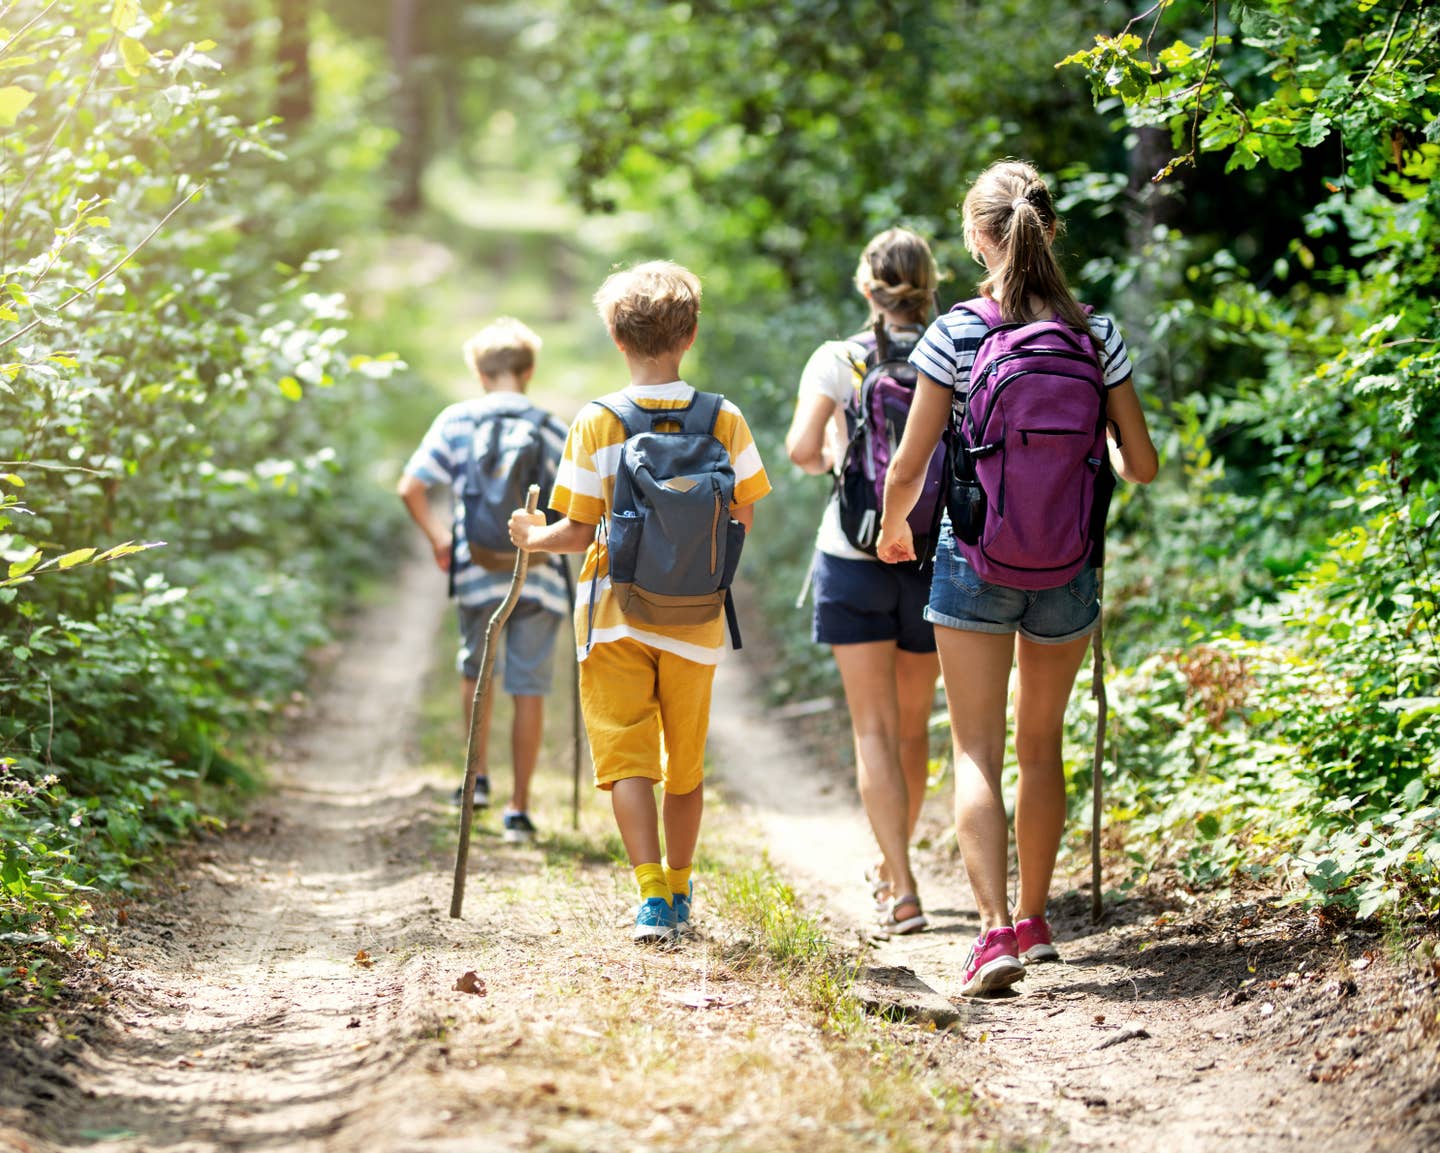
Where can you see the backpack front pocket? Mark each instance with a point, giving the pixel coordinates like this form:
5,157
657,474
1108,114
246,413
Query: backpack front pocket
625,532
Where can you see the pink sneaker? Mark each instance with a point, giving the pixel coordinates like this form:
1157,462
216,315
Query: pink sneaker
993,963
1032,939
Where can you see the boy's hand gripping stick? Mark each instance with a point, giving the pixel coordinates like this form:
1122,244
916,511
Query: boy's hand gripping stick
477,711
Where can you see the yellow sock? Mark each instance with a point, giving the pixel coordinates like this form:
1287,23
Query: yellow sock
651,877
678,879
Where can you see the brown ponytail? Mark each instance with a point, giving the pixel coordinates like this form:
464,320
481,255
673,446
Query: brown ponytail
1010,206
898,273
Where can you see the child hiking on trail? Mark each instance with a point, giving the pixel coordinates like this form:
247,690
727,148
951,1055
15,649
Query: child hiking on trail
1041,395
647,662
487,448
869,613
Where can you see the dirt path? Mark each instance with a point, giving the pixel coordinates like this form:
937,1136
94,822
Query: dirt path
296,991
1171,1026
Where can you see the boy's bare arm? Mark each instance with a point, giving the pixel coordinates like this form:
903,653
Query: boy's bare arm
417,502
745,514
529,531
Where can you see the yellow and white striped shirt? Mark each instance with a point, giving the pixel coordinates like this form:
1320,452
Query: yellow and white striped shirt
585,491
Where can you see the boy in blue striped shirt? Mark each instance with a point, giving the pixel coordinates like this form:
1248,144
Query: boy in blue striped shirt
502,356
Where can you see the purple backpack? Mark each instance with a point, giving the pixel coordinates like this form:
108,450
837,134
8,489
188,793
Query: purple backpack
1030,478
875,420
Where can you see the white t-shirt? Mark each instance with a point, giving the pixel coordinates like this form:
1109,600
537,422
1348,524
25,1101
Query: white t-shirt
835,370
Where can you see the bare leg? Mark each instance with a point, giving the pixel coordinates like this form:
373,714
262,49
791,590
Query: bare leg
1047,677
868,673
682,812
633,802
525,735
977,683
915,675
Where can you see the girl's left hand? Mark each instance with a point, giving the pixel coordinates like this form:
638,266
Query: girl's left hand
896,545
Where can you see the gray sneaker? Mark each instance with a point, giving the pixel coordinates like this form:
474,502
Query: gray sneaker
517,828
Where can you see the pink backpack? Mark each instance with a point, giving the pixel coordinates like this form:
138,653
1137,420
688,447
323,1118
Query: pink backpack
1030,478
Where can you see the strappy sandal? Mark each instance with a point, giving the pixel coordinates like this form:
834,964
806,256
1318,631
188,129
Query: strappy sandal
894,925
879,887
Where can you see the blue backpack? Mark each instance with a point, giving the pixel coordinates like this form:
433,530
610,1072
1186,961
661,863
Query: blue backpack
672,543
507,455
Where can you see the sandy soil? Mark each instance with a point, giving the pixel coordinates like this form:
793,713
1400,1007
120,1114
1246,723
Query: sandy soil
1176,1024
295,988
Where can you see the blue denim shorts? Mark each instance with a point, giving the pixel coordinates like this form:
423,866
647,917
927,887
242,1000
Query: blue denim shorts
523,663
857,601
961,600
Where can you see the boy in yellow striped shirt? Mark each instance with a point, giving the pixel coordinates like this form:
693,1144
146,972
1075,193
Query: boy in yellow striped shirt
644,687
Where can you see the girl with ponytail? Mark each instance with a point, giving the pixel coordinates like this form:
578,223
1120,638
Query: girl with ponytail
871,614
982,628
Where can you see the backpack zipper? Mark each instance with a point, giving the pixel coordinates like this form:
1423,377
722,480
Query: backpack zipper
1027,433
715,537
1009,380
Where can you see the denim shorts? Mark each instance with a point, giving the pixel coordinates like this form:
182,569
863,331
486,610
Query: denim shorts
961,600
857,601
524,660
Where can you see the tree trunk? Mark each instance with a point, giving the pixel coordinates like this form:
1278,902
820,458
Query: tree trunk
240,33
408,159
295,100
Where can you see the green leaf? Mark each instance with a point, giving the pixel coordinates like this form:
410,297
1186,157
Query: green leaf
20,567
77,557
46,314
13,101
124,15
135,55
129,548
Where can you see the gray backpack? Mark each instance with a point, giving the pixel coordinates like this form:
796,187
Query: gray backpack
507,455
673,545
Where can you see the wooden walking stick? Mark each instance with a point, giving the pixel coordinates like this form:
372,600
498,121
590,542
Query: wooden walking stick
577,734
477,711
1097,690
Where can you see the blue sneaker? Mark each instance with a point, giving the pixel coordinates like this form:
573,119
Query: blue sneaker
517,828
681,904
654,921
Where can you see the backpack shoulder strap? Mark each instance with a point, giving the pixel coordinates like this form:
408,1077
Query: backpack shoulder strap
703,412
472,461
983,307
625,410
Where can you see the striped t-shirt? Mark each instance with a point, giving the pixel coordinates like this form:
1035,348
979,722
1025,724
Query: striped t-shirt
441,459
585,492
947,351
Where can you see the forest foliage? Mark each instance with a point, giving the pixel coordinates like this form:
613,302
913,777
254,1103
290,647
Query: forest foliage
185,445
188,445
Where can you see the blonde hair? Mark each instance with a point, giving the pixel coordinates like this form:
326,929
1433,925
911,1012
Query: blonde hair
897,272
651,309
1010,206
503,347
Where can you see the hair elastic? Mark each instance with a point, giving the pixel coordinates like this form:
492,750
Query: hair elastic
1018,203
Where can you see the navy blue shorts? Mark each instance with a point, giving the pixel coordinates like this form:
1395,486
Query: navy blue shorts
959,599
858,601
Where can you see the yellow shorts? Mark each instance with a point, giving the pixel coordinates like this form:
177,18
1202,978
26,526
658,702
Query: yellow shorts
647,713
